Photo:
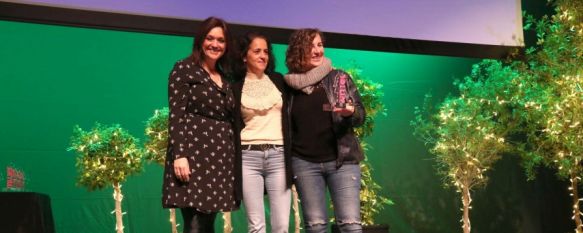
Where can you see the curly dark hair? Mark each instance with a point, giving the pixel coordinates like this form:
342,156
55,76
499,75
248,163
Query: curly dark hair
223,64
299,49
244,42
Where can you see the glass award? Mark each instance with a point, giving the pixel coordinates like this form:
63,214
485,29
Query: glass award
341,95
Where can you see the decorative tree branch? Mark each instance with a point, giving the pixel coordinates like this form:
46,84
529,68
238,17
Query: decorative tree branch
227,226
296,209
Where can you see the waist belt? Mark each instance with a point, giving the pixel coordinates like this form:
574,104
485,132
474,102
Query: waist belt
212,118
261,147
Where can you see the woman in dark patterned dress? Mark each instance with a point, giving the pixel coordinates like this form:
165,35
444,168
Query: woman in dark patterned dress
199,176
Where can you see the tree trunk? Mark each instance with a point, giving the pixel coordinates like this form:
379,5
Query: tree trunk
173,220
575,196
296,208
227,226
467,201
117,196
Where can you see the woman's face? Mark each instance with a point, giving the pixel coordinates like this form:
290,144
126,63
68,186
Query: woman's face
214,44
257,56
316,55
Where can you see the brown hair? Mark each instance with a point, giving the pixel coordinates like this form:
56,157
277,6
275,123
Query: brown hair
198,52
299,49
244,42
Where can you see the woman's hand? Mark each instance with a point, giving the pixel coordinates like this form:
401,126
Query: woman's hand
346,111
181,169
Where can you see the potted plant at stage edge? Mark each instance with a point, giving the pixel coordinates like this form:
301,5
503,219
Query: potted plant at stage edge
106,155
371,202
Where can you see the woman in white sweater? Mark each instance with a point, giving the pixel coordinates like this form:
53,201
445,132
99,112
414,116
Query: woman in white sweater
262,146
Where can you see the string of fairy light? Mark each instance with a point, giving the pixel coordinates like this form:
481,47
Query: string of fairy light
107,155
571,129
475,159
541,97
118,197
567,126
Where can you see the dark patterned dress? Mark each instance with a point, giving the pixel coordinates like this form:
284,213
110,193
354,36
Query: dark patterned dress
200,129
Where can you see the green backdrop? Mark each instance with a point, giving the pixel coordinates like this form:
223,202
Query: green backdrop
53,77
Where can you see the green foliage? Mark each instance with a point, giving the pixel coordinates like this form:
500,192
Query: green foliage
464,134
371,96
157,136
371,202
105,155
551,107
467,134
536,102
539,97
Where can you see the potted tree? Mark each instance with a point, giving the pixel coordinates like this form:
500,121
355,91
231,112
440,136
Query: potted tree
371,202
550,102
467,134
106,156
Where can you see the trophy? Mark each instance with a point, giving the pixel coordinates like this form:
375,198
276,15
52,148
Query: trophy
341,95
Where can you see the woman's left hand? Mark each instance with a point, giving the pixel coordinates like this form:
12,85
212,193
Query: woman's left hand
346,111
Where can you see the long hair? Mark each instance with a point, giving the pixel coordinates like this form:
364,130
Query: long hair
223,64
299,49
244,42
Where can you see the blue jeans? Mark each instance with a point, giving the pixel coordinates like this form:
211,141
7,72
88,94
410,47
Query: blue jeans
312,179
265,169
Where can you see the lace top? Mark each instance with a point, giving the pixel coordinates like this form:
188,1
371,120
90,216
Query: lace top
259,93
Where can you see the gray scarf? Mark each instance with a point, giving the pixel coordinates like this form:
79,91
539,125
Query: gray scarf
306,81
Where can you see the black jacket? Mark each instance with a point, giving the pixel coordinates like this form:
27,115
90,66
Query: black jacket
349,151
239,124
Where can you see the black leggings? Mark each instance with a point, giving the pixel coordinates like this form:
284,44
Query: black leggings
198,222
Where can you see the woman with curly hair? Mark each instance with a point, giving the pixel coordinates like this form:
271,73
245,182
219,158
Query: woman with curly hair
324,108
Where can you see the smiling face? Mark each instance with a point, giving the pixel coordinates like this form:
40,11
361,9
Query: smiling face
214,45
305,50
257,56
316,55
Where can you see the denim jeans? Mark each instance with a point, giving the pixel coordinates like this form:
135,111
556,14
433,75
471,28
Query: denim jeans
265,169
312,179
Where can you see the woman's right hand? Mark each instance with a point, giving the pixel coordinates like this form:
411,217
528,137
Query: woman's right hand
181,169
